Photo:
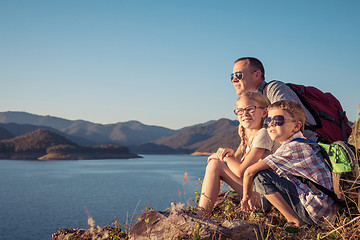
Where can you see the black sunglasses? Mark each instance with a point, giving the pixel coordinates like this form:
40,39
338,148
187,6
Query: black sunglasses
277,120
238,75
250,109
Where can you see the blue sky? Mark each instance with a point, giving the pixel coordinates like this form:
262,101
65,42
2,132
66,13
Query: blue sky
167,63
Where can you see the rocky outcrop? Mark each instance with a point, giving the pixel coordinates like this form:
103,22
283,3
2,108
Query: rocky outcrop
174,224
180,224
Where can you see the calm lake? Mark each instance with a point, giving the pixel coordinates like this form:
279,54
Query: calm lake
38,197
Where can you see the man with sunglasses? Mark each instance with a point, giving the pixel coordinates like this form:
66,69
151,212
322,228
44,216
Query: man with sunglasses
249,75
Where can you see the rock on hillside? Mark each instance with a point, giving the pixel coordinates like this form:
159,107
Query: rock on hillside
182,224
174,224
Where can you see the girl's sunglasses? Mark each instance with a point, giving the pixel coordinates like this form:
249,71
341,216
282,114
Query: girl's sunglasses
277,120
250,109
238,76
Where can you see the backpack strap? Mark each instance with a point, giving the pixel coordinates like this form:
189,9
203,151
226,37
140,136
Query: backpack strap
323,152
304,140
342,124
316,187
313,185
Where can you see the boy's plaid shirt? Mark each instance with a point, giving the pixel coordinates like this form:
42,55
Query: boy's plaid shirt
301,159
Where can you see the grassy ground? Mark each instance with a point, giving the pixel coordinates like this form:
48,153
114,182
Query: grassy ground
347,224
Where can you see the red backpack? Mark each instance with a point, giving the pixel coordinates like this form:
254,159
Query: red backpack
331,121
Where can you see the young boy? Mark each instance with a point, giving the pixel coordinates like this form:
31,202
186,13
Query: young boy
275,176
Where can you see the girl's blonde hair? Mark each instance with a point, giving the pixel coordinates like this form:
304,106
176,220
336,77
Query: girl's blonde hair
262,102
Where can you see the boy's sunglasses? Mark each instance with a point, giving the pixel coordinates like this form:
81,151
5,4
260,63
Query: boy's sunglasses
277,120
238,75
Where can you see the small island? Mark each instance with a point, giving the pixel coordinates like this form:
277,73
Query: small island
44,144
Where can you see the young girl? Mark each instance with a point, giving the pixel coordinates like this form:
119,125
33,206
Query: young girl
229,166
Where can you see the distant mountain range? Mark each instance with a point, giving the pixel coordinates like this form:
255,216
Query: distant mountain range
127,133
140,138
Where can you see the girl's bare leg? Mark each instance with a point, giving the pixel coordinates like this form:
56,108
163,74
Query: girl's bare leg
210,187
216,171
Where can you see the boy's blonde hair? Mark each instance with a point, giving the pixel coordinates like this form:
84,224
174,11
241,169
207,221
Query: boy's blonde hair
263,102
293,108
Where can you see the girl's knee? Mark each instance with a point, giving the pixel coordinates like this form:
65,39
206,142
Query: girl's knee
214,165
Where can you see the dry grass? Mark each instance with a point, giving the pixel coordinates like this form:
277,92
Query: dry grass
347,224
354,138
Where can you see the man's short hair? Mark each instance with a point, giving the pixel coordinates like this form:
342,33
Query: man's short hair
293,108
255,64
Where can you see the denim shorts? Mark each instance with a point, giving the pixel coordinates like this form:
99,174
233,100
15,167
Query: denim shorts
267,182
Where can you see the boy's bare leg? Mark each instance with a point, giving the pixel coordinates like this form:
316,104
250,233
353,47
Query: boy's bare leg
280,203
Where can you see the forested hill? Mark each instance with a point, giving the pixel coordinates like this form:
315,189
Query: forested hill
45,144
37,140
